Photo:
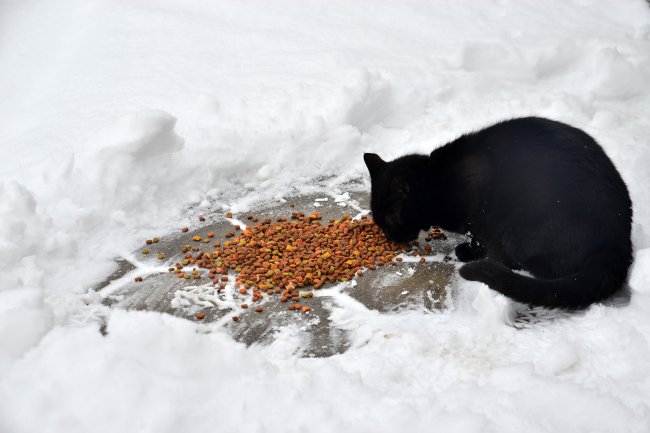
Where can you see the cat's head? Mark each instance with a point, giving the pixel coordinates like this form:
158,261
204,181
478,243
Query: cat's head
397,194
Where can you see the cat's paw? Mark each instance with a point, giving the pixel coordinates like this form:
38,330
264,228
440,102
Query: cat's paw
485,271
471,271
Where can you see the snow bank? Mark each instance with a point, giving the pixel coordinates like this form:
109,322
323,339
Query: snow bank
120,120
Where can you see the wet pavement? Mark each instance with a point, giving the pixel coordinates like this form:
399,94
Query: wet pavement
387,289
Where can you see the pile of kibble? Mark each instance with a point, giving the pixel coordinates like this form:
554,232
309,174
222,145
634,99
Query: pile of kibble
277,259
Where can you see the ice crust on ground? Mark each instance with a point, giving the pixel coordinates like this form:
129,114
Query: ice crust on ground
124,120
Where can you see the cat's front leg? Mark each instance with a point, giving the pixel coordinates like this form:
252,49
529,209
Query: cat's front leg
469,251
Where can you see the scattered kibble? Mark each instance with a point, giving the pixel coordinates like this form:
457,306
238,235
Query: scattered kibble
281,256
145,251
149,241
185,229
138,279
161,256
199,315
201,218
436,233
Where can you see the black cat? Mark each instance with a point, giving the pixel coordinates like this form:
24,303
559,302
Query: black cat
533,194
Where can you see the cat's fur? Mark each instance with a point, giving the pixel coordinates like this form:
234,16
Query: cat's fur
533,193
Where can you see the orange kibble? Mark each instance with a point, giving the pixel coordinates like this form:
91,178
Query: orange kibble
199,315
306,308
280,256
197,238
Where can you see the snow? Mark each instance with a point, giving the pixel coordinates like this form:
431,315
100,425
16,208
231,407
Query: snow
123,119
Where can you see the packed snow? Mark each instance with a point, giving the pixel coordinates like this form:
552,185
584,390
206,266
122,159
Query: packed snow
125,119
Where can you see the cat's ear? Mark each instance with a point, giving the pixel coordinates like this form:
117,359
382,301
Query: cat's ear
374,163
400,186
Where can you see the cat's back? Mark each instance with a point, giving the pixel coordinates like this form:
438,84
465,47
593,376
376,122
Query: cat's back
540,136
546,152
546,166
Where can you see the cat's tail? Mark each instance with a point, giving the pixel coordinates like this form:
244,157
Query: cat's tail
602,276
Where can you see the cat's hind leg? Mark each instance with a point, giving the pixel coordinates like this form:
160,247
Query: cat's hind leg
470,251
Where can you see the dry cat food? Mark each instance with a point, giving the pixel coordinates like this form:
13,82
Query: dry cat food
277,259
